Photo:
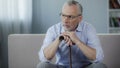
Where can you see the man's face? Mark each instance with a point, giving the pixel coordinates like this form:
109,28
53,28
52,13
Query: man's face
70,17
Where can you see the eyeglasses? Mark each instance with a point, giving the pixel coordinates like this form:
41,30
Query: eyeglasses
69,16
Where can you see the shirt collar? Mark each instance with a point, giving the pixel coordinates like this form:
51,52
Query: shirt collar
80,26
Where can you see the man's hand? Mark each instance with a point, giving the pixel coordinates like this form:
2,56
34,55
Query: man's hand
70,37
67,39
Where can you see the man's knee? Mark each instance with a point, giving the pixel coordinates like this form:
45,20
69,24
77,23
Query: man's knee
40,65
100,65
45,65
97,65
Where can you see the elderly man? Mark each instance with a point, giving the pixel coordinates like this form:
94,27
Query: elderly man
86,50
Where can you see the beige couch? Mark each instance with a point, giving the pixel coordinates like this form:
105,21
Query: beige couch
23,50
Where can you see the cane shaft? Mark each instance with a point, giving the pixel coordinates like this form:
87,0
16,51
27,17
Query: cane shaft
70,57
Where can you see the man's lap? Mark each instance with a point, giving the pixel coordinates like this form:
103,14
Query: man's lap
50,65
97,65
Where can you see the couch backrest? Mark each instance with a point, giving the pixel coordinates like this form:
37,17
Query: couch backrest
23,50
111,47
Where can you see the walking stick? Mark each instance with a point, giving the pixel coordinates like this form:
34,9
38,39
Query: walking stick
70,56
70,52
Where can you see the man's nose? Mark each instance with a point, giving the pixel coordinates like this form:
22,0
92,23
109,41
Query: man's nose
66,19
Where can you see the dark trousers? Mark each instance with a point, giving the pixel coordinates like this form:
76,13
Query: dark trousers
50,65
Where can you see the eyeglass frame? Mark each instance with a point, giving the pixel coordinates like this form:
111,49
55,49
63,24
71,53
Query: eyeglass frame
69,16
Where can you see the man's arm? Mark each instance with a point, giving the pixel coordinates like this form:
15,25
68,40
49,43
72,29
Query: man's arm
51,49
50,45
89,52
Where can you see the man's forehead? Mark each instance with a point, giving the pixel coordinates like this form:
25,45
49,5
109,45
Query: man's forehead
70,9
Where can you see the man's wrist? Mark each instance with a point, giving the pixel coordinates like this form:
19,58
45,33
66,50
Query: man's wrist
78,43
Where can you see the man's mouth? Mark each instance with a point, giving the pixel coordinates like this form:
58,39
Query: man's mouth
67,26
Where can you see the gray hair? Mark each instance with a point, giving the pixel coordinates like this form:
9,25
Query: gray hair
73,2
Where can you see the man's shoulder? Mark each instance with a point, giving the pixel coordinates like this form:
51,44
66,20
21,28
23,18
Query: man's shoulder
56,26
87,24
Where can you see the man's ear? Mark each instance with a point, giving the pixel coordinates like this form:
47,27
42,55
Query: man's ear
80,18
